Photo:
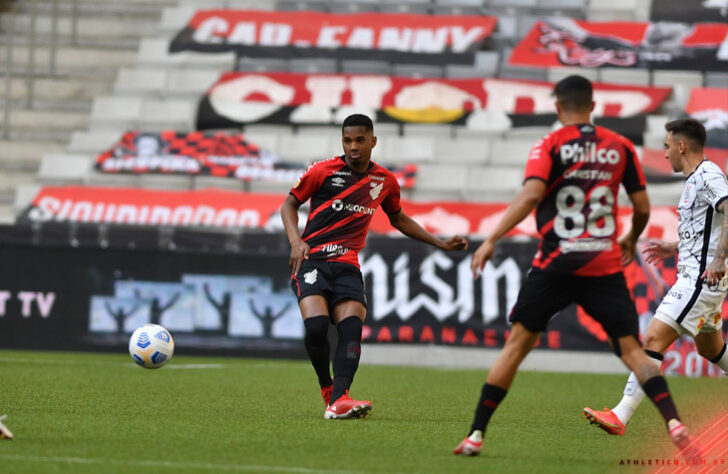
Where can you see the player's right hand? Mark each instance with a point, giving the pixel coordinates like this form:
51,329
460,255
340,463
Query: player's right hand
481,256
299,253
657,250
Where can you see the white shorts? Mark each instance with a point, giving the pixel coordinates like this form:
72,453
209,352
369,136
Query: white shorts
691,310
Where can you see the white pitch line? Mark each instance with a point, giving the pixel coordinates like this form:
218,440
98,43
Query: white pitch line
105,364
172,464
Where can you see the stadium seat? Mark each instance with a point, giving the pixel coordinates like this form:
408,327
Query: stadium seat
206,182
170,113
522,72
58,169
656,123
268,187
24,195
615,10
531,134
93,142
463,71
354,7
165,181
176,18
556,4
96,178
357,66
303,148
417,130
116,112
495,184
665,194
313,65
614,75
246,64
299,5
189,83
510,152
682,83
487,61
155,52
555,74
488,121
418,71
465,10
469,151
716,79
404,7
438,181
406,150
140,82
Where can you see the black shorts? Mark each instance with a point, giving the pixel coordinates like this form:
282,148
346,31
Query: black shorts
333,280
605,298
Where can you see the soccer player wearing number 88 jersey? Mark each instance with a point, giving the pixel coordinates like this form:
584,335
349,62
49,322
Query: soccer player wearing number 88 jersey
573,176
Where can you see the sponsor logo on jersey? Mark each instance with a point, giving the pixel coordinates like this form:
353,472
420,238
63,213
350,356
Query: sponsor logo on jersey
311,276
338,182
335,249
586,129
376,190
342,173
377,178
339,205
585,245
589,153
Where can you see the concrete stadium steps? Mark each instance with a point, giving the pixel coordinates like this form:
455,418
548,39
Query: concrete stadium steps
25,156
48,120
62,91
71,61
121,26
9,181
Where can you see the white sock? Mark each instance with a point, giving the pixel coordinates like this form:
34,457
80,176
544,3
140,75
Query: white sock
476,436
722,360
633,395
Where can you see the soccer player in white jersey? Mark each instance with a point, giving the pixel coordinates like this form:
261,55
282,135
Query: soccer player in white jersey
693,304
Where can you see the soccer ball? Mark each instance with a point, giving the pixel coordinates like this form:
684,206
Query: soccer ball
151,346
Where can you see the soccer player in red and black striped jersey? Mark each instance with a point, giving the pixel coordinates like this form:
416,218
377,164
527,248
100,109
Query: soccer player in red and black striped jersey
344,192
572,179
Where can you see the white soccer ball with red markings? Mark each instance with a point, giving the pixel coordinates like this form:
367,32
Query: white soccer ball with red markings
151,346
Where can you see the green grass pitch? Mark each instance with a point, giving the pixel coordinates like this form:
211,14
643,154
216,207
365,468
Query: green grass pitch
91,413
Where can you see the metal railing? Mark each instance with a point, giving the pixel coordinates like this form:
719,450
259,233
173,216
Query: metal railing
30,71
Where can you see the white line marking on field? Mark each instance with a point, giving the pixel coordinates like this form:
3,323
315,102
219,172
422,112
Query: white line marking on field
172,464
105,364
196,366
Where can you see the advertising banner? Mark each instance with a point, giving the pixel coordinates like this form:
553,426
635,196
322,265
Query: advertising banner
561,41
240,98
221,302
215,208
390,37
710,106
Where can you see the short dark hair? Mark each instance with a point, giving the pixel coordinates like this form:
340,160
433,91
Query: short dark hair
358,120
574,92
691,130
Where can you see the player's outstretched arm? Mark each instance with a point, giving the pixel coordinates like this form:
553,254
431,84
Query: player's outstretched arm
299,248
657,250
409,227
715,271
640,216
520,208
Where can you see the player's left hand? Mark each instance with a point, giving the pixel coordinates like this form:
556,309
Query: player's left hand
629,248
714,272
481,256
455,243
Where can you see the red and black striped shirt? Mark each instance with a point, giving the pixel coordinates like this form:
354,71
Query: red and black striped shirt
342,205
582,166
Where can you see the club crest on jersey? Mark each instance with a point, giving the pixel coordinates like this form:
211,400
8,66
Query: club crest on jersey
376,190
311,276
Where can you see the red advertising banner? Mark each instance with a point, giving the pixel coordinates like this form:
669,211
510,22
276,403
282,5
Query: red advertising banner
382,36
662,45
710,106
241,97
218,208
658,169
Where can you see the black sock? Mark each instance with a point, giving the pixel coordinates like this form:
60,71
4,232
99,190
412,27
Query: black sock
346,357
490,398
656,389
317,346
